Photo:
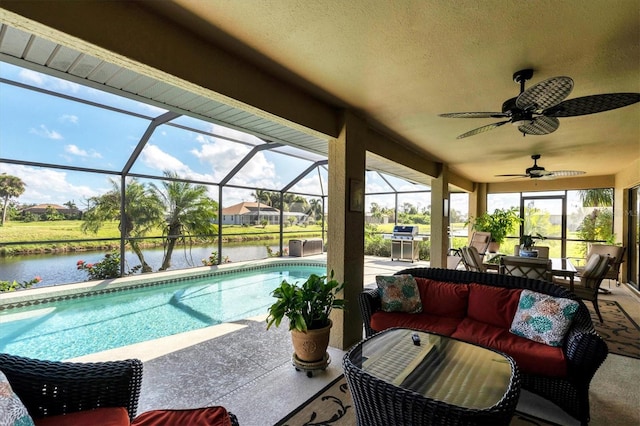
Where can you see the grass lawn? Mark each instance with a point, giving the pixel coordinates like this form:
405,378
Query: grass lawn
39,236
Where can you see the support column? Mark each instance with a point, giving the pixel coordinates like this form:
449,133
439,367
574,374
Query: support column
440,219
477,202
345,237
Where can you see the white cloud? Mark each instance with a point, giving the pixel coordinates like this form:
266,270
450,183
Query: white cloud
44,132
50,186
74,150
155,158
221,157
310,185
69,118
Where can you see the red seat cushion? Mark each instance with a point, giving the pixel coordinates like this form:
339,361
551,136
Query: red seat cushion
112,416
442,298
442,325
531,357
209,416
493,305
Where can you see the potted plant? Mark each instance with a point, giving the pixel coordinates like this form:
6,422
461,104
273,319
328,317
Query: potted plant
500,223
307,306
527,242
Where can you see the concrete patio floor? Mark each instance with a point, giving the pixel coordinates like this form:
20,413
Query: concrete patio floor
248,369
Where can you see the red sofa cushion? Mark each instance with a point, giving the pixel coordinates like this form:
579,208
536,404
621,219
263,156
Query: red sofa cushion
381,320
111,416
531,357
443,298
493,305
209,416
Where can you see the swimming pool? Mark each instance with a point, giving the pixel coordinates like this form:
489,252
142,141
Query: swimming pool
71,328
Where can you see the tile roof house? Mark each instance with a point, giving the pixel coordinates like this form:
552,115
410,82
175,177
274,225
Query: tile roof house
250,213
42,208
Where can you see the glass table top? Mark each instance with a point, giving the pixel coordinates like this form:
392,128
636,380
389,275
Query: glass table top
440,368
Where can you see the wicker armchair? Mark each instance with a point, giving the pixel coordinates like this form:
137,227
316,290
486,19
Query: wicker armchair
53,388
50,388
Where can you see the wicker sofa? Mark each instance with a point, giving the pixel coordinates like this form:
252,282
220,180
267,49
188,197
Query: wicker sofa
73,393
565,380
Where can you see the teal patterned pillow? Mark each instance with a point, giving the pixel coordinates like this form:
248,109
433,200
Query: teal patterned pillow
543,318
12,411
399,293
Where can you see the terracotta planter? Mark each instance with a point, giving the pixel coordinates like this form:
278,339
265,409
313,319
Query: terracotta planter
311,345
493,247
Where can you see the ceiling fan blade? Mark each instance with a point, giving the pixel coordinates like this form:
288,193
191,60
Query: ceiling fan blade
545,94
483,129
474,115
592,104
540,126
566,173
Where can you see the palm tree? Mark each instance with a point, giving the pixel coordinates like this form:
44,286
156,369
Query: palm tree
295,203
598,225
376,212
602,197
143,211
10,187
315,208
261,195
190,213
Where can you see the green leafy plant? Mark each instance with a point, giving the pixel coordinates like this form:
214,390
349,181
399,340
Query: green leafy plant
307,306
107,268
500,223
15,285
529,240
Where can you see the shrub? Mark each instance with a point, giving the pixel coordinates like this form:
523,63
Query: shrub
212,260
107,268
15,285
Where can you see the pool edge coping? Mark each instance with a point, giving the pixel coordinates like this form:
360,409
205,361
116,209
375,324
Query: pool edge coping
38,296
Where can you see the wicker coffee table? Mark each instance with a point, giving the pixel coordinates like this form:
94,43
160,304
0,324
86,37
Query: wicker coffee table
441,381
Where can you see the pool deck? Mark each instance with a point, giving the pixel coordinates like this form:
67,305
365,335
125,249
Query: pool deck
248,369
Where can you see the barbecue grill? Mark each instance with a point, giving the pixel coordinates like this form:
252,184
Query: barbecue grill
404,242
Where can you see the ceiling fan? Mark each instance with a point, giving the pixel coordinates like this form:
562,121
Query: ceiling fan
536,110
537,172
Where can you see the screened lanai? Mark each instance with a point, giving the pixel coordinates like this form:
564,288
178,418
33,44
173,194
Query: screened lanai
70,144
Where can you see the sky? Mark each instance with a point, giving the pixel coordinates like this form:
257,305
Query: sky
38,127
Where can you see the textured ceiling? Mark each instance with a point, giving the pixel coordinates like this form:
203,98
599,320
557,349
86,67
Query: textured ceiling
402,63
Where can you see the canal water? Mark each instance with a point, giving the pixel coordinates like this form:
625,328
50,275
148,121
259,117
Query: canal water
56,269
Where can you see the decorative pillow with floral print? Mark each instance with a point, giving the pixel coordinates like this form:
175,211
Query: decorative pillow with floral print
543,318
399,293
12,411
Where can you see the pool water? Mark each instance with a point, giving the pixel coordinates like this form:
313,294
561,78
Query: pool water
73,328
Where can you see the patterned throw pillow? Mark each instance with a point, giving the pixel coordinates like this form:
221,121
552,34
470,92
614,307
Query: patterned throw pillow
399,293
543,318
12,411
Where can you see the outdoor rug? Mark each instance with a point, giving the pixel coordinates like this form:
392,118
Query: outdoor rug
333,406
620,332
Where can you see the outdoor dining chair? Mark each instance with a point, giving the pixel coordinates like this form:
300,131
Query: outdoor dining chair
480,241
472,260
587,285
530,267
615,255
